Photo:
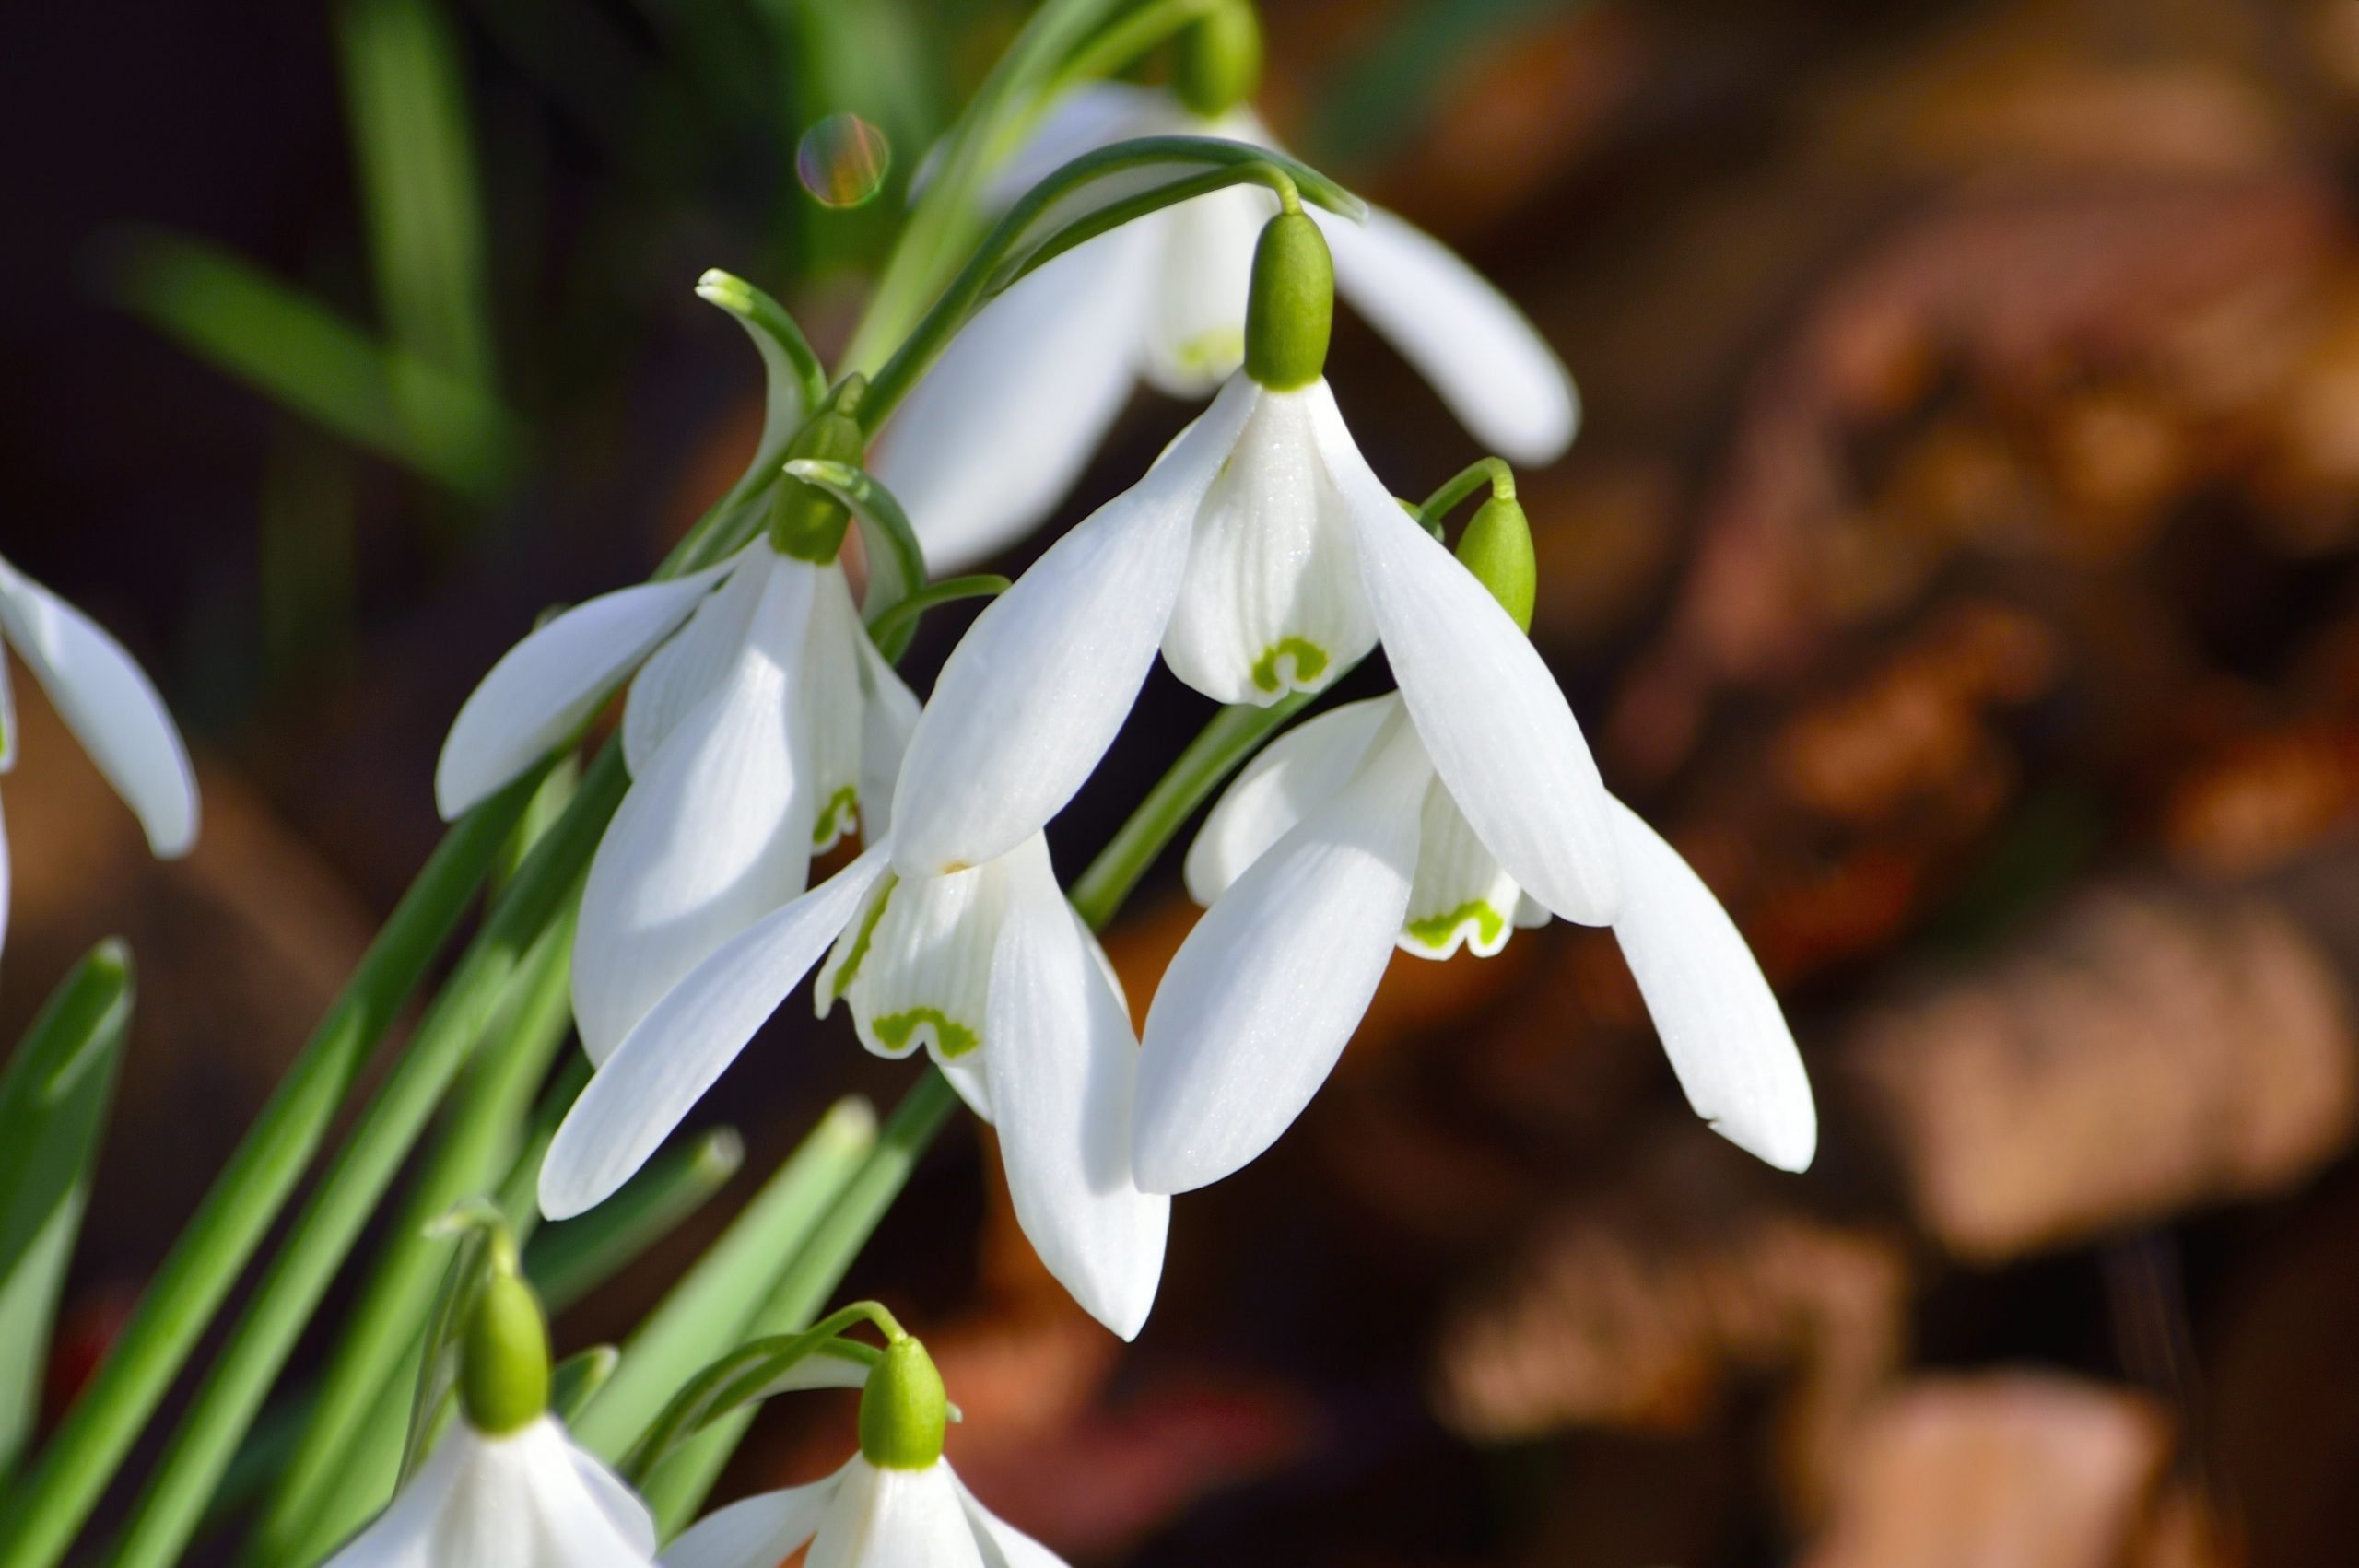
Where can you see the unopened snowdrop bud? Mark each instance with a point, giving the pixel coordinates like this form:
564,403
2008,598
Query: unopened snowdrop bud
1218,64
504,1360
806,522
1496,548
1291,310
903,1412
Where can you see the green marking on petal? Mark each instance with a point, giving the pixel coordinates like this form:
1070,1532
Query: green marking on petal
1307,663
1207,350
1435,930
837,818
951,1037
851,970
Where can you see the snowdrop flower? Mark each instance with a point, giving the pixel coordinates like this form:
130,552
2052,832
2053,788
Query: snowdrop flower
990,972
762,726
107,703
895,1503
1261,555
505,1487
1347,838
1000,429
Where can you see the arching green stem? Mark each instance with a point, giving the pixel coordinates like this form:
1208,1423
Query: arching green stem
1491,470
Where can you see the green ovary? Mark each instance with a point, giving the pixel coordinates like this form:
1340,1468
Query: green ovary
950,1037
1310,662
837,818
1435,930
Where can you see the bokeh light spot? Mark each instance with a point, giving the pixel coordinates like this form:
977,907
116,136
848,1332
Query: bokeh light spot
842,160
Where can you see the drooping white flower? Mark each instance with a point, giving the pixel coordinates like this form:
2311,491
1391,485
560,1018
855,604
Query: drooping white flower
989,971
527,1499
895,1503
864,1515
1341,842
1261,555
1001,427
110,707
762,726
504,1487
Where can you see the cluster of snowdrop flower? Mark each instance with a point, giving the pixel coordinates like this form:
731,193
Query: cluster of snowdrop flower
1260,557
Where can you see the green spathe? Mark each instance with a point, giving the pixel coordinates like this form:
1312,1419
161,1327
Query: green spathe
807,522
1496,548
504,1362
1219,64
903,1412
1292,308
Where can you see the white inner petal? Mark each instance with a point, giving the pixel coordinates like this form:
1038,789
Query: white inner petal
916,969
1272,602
1461,896
829,710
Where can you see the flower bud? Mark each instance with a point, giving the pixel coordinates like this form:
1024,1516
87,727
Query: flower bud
806,522
903,1412
1292,308
504,1359
1219,61
1496,548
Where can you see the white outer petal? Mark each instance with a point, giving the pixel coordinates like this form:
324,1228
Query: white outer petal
1063,1068
716,835
1004,1545
688,1038
761,1532
999,430
1263,994
1481,353
1491,716
1033,694
693,662
111,706
883,1518
1721,1023
889,714
621,1505
1292,777
1095,115
582,1523
552,681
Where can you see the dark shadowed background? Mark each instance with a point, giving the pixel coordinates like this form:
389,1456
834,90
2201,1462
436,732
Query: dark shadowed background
1958,562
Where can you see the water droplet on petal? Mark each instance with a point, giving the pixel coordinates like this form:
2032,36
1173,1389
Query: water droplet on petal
842,160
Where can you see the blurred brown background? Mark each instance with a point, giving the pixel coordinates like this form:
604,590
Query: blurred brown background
1958,562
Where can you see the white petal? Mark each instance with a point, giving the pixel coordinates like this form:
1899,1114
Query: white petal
714,835
691,664
1273,601
1195,329
1262,997
1491,716
1091,116
1293,775
664,1066
548,684
615,1500
1002,1544
1462,896
1721,1023
404,1534
890,715
830,708
998,431
1033,694
761,1532
578,1520
1064,1069
886,1518
110,706
916,972
1485,357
